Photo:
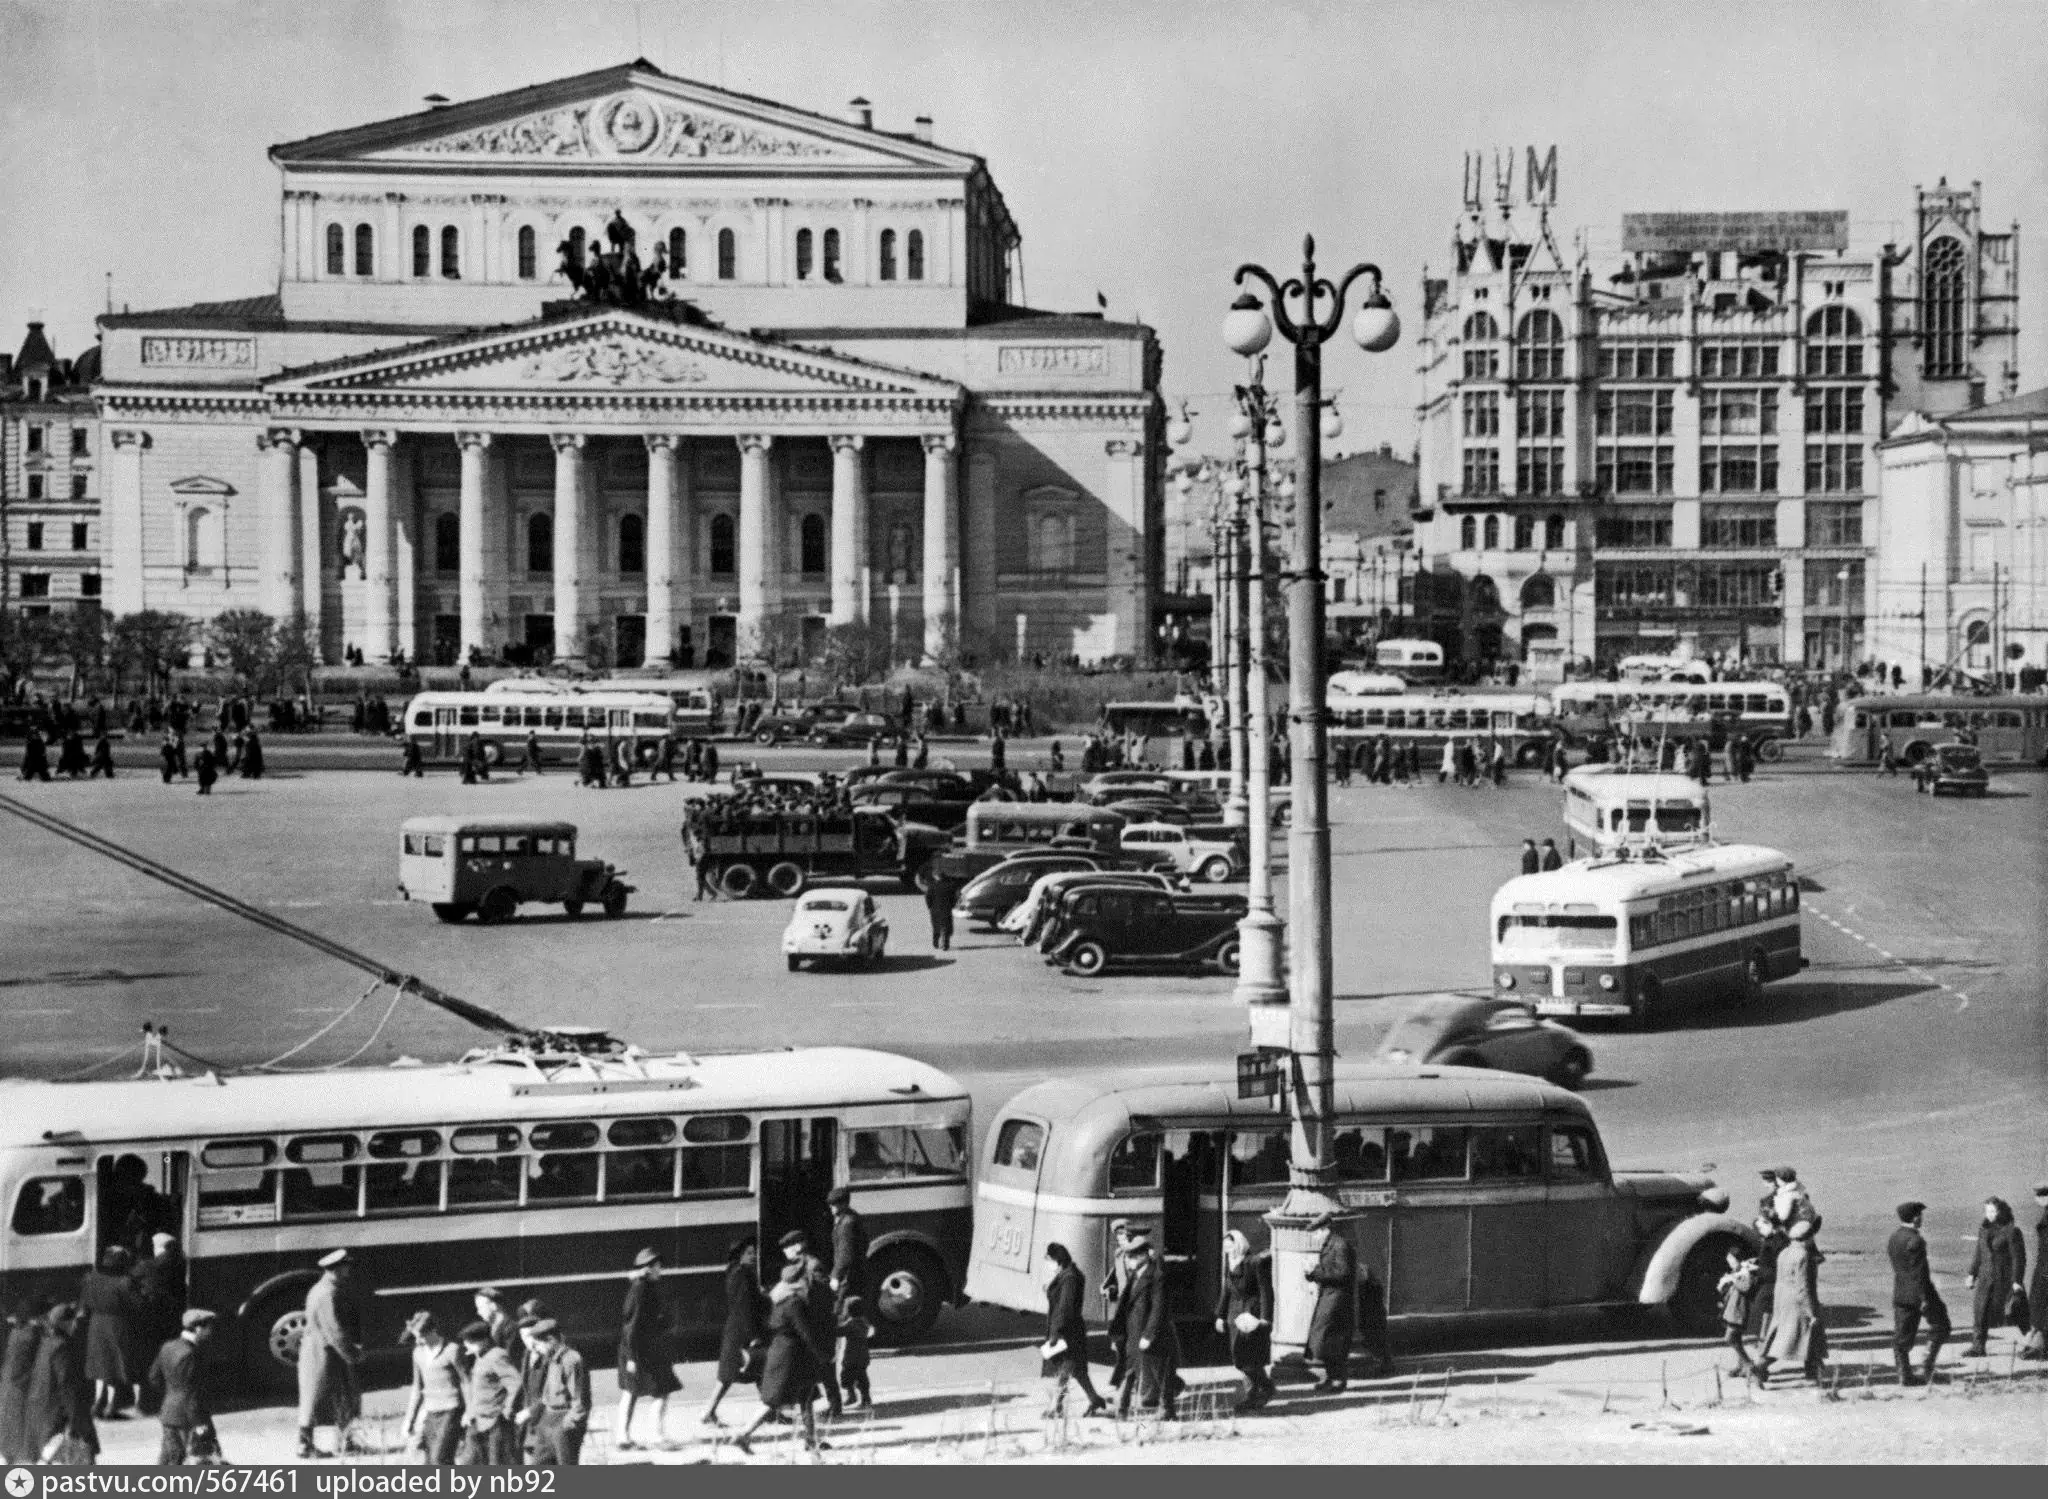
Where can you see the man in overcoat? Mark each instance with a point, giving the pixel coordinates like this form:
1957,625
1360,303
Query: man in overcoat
1914,1296
1152,1347
330,1348
177,1383
1335,1276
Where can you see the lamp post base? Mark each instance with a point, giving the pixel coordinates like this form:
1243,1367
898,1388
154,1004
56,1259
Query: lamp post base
1295,1250
1236,812
1260,983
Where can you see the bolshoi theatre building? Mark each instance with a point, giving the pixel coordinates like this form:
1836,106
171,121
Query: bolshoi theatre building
624,366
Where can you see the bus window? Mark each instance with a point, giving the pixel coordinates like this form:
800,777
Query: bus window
1575,1154
468,715
49,1205
566,1168
899,1152
489,713
1259,1160
1135,1165
487,1169
401,1177
724,1163
237,1195
552,717
1360,1153
424,719
642,1168
1507,1152
1428,1152
1019,1144
1757,702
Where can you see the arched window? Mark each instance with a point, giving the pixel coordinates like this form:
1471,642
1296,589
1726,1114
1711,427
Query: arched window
205,541
913,255
803,255
540,542
336,264
1482,361
811,543
576,246
1834,342
1492,532
366,251
1540,592
887,258
1525,532
728,255
529,253
1553,533
1468,533
678,254
722,561
451,253
1539,347
632,544
1485,595
832,255
422,251
447,542
1941,312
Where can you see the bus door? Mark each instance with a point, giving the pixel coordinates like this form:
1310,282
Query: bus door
1183,1233
447,742
798,1160
140,1194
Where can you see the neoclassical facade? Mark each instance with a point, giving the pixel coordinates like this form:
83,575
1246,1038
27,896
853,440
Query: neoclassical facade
818,406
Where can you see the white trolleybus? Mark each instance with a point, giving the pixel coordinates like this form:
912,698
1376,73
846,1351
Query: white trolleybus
556,713
537,1172
1521,720
1762,710
2008,730
1608,808
1410,660
1634,937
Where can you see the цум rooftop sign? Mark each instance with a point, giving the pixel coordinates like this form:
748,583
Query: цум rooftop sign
1796,229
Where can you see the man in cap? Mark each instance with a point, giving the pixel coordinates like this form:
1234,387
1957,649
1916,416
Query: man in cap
1335,1277
494,1310
490,1437
177,1386
1914,1296
330,1348
1114,1280
849,1247
1148,1331
561,1414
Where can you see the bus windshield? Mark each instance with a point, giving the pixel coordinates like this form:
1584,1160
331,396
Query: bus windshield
1670,819
1551,933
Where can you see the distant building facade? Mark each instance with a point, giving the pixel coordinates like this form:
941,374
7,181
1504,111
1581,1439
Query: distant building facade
816,405
49,479
1676,456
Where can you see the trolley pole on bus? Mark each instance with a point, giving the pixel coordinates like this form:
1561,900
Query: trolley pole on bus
1310,1034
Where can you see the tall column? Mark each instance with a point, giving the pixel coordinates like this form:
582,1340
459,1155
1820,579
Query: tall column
470,536
568,545
312,544
941,543
122,502
405,545
1124,547
379,624
849,532
280,479
754,523
663,526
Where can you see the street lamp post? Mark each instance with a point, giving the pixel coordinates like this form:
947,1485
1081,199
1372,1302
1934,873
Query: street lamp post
1309,1032
1260,986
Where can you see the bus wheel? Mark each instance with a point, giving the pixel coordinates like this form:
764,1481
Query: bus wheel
910,1286
270,1356
1647,1012
787,879
1770,751
1229,956
1695,1304
498,905
737,881
1755,974
614,900
1087,959
572,907
1530,754
766,738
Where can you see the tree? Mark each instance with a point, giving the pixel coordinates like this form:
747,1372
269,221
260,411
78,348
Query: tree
246,640
26,642
298,653
151,643
82,637
597,645
855,654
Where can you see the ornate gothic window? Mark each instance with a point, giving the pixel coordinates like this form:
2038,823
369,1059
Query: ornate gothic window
913,255
1941,314
447,542
678,254
811,543
366,250
540,542
1482,362
632,544
803,255
832,255
529,253
451,252
722,559
1539,347
1539,592
336,264
888,256
728,255
1834,342
422,251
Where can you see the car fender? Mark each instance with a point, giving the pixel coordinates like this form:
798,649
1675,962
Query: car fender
1660,1271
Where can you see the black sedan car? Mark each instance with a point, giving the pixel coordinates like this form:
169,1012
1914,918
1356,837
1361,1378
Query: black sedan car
1471,1030
857,729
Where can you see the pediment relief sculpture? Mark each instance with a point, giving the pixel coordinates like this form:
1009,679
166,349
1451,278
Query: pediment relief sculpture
636,126
613,364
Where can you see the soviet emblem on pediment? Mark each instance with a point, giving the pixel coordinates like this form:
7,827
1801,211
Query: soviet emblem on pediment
634,126
613,364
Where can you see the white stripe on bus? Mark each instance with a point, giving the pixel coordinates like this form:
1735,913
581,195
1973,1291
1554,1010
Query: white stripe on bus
522,1281
1097,1207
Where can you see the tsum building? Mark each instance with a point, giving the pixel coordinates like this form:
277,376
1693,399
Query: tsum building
816,404
1674,453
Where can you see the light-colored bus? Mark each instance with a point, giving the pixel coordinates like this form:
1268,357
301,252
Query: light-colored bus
1608,808
1348,684
503,714
2008,730
1410,660
1635,937
1467,1193
1181,719
1762,710
1522,720
537,1172
1664,669
700,705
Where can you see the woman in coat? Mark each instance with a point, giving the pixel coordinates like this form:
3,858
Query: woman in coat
646,1362
1244,1310
1998,1270
112,1308
1795,1330
744,1314
60,1394
1063,1359
797,1357
17,1365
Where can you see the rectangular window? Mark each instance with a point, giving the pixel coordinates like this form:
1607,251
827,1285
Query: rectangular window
1482,471
36,442
1835,583
1632,469
1633,586
1539,413
1834,409
903,1152
1512,1152
1738,525
1359,1152
1482,413
1642,526
78,536
1539,471
1834,523
324,1190
80,483
81,442
1575,1153
1738,361
35,537
1260,1160
484,1181
88,585
49,1205
1622,361
1737,585
35,585
1834,467
1134,1166
1728,469
35,486
1427,1152
402,1186
236,1195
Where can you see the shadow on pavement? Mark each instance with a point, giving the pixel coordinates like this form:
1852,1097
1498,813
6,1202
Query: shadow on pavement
1791,1005
1605,1084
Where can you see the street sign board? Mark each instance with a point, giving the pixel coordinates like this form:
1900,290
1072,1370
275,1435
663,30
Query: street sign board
1796,229
1260,1074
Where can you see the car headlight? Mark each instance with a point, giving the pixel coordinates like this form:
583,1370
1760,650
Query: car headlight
1505,980
1399,1054
1607,981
